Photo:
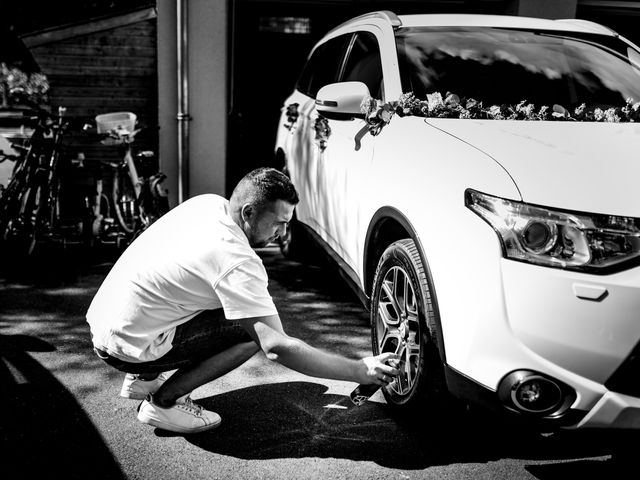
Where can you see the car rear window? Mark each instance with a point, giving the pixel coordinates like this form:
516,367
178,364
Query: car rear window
504,66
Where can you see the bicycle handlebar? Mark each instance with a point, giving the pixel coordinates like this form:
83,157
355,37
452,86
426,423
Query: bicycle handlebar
120,133
110,137
113,136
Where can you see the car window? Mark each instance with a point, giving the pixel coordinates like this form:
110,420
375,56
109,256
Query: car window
323,67
505,66
363,63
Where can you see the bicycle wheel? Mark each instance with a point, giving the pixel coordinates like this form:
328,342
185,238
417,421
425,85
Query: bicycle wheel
11,201
124,201
21,231
9,208
39,212
33,215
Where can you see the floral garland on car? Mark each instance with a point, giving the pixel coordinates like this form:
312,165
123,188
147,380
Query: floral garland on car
378,114
14,84
320,125
292,116
323,131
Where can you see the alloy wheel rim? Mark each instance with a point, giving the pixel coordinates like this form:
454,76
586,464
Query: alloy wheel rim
398,327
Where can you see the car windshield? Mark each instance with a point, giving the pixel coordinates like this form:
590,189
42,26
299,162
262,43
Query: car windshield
505,66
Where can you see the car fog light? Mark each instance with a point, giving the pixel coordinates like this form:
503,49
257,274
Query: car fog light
533,393
536,394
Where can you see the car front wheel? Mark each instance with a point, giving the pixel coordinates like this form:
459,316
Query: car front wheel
403,321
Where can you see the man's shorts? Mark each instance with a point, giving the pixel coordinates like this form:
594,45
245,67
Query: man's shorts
205,335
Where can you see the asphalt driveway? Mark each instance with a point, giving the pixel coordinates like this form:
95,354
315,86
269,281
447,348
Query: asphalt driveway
62,416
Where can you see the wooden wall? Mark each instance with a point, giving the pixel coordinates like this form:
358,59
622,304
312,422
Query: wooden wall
105,71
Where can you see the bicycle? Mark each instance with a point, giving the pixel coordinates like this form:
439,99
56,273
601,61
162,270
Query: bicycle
138,198
30,205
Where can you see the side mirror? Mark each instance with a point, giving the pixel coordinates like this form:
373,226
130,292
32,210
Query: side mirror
341,101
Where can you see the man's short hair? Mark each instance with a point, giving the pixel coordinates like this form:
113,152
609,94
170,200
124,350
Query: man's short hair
264,185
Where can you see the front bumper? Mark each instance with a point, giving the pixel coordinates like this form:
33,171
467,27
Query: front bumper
613,410
584,324
583,330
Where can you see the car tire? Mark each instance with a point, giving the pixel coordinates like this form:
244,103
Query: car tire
403,321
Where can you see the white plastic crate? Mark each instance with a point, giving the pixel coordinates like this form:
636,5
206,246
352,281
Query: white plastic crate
116,120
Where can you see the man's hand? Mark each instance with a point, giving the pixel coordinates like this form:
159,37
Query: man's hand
380,369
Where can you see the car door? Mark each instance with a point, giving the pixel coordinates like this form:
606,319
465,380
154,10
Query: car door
323,67
344,163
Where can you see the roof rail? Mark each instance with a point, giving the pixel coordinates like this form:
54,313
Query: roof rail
596,27
386,15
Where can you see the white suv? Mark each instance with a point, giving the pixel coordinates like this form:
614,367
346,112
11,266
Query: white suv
476,180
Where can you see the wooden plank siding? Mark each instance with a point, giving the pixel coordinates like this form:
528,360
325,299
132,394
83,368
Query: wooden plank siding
106,71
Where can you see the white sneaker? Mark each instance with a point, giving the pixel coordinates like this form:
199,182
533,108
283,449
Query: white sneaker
183,417
137,389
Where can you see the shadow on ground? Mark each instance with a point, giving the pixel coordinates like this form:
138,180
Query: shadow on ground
301,420
43,429
44,432
52,265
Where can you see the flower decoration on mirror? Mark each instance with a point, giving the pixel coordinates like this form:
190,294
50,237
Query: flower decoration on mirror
377,114
323,131
292,116
17,86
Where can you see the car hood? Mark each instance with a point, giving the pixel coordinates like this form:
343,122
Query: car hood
585,166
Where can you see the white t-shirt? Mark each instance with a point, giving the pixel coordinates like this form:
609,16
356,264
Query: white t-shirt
193,258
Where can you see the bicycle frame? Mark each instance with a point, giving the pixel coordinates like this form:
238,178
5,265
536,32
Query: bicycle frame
133,171
133,210
29,207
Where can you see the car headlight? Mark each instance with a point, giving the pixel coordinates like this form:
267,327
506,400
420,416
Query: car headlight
571,240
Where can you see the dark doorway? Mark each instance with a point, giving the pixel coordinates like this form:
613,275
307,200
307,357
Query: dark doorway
269,46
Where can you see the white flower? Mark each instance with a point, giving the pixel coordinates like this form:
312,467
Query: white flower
434,100
494,111
611,115
385,115
452,100
369,105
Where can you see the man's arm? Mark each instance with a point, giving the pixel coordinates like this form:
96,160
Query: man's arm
293,353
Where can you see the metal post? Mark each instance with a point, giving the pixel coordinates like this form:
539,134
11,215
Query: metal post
183,116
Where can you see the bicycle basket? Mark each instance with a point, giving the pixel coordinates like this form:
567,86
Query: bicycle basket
116,120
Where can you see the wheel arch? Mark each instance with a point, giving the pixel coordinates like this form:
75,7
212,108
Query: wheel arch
389,225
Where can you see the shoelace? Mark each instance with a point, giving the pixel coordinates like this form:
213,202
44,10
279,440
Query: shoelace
190,406
162,377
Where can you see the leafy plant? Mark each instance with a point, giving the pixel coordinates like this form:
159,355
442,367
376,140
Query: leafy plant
17,86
